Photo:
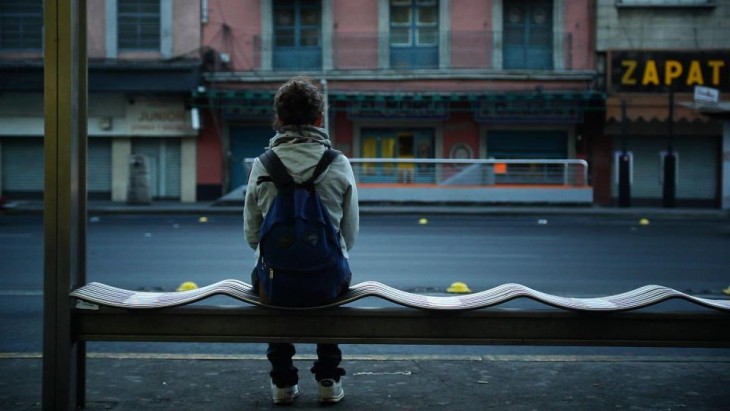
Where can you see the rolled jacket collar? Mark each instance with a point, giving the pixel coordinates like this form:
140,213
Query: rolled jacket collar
300,134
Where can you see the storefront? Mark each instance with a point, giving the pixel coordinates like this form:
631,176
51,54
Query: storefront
134,108
647,120
533,124
119,126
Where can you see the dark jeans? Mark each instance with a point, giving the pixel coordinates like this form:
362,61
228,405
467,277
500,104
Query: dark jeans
284,373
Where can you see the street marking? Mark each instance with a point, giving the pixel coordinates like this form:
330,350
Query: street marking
16,235
20,355
441,255
384,373
22,293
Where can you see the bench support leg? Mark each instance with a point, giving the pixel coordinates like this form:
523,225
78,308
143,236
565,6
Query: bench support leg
80,374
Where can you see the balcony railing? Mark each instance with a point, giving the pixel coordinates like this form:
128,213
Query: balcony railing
464,50
470,181
437,172
484,173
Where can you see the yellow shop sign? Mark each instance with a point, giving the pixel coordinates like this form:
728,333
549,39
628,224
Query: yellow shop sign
658,71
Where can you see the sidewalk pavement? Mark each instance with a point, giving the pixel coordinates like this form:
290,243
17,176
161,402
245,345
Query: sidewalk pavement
157,382
215,208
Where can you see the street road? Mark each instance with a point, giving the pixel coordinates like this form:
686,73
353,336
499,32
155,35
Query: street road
564,255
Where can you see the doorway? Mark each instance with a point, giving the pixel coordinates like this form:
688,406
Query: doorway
245,142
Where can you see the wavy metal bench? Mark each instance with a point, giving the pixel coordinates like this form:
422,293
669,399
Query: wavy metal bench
110,313
102,294
106,313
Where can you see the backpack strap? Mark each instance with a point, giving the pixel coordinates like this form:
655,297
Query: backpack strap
324,162
282,179
277,170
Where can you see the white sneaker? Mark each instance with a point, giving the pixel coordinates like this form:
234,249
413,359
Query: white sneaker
330,391
284,395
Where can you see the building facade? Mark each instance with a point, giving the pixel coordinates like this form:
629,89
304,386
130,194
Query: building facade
652,54
144,60
404,79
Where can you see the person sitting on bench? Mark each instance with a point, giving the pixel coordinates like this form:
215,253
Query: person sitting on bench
301,145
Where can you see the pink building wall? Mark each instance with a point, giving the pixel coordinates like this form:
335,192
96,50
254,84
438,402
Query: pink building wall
579,27
186,37
471,33
95,29
355,34
449,86
234,28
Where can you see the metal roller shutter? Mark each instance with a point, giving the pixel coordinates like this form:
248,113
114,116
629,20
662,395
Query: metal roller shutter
698,172
646,182
696,167
172,168
99,167
537,144
22,164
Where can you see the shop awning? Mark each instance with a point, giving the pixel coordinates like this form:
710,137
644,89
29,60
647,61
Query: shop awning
651,107
243,103
719,110
153,77
233,103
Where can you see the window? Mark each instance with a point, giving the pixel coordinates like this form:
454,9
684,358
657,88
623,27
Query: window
414,33
528,35
297,35
138,24
21,24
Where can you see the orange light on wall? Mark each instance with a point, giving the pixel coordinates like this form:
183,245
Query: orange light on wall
500,168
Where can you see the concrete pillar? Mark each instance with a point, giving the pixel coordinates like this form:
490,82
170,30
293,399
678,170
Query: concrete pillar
121,150
110,35
383,34
267,33
188,171
327,32
497,11
559,35
166,28
444,34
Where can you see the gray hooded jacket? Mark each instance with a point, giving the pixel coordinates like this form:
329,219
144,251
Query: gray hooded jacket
300,149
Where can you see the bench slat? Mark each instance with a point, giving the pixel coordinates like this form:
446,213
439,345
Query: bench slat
107,295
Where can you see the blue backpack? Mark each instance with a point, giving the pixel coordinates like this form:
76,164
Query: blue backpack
300,263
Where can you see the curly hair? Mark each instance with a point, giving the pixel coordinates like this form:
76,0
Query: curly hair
297,103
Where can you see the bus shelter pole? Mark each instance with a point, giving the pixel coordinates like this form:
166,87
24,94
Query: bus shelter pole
64,202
